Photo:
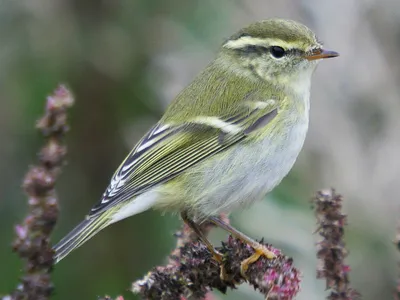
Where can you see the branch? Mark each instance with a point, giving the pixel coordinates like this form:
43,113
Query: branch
192,272
332,248
32,241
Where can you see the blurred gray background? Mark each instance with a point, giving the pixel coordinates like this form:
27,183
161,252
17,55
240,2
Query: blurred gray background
126,60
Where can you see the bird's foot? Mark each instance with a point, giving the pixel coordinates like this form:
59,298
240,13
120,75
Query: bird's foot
259,250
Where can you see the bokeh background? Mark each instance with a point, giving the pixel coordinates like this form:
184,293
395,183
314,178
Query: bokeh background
126,60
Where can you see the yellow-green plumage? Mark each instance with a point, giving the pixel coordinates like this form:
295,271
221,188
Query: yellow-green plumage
226,140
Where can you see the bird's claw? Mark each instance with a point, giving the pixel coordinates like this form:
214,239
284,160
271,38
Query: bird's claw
259,250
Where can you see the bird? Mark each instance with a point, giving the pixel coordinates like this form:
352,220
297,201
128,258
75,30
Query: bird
224,142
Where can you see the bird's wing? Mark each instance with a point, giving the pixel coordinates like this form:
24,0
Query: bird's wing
169,149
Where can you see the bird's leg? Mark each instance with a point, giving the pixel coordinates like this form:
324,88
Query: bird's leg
258,248
196,228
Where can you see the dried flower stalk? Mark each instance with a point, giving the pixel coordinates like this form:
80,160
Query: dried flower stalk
32,241
331,249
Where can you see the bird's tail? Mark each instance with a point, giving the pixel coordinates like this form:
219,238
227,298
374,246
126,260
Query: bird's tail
79,235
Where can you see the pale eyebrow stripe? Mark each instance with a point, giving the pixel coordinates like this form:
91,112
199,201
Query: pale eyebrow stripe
246,41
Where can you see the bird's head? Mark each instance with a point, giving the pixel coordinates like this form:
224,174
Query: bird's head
276,50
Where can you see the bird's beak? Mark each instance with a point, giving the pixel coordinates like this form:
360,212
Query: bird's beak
320,54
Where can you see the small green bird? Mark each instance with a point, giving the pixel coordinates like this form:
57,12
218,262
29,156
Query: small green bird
225,141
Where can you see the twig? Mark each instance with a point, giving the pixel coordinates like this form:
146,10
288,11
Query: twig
192,272
331,250
32,241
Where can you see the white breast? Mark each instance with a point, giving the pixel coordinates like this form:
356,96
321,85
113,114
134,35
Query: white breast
248,172
244,174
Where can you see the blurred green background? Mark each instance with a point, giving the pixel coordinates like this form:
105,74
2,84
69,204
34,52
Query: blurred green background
126,60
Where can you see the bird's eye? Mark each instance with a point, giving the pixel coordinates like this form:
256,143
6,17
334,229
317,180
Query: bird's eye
277,52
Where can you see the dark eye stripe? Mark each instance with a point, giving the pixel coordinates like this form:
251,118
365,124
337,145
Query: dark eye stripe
252,49
258,50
